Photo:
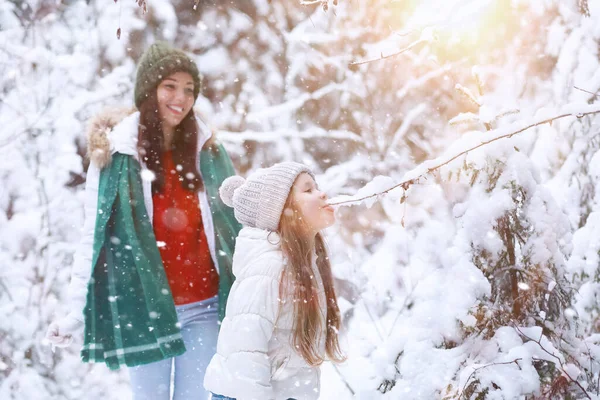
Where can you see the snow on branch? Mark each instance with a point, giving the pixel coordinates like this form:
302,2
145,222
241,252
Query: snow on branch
324,3
274,136
406,124
293,105
427,36
425,79
463,391
312,2
566,370
371,192
464,118
468,94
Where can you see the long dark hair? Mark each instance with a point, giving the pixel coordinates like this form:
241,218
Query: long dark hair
298,283
185,146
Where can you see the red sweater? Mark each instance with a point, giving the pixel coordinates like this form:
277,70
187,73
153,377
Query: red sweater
178,223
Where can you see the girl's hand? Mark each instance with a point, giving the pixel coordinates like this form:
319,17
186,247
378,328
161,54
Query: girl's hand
60,333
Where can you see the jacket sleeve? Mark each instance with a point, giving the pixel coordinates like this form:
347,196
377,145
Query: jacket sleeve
252,310
82,265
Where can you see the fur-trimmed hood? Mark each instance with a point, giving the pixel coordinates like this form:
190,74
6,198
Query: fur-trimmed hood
98,130
116,130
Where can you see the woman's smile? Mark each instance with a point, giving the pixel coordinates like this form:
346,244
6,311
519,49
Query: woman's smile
175,109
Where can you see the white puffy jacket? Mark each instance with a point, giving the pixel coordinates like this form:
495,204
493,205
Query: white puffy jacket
116,132
255,358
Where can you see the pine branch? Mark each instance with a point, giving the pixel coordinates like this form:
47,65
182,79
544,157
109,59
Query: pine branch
591,109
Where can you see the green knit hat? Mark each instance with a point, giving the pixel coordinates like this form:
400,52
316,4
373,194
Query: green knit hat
157,63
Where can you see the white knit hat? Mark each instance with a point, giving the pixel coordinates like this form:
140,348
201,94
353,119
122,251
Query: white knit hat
258,200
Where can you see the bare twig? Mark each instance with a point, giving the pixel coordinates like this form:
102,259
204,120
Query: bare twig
344,379
586,91
382,57
373,321
8,140
406,124
3,285
419,29
404,305
407,183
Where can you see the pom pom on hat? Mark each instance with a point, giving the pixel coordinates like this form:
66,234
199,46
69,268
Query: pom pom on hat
258,200
228,188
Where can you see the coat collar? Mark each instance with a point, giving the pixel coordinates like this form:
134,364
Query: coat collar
116,131
252,244
260,234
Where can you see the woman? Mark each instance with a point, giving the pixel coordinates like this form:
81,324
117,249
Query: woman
152,276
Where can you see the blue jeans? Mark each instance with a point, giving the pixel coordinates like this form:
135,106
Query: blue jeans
199,328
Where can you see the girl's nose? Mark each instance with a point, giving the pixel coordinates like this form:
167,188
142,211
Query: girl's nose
323,196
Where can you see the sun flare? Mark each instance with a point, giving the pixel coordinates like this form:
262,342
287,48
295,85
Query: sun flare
451,14
463,26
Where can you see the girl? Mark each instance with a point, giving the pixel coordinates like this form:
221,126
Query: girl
154,265
282,316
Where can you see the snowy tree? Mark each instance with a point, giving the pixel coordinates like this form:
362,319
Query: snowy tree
513,333
477,277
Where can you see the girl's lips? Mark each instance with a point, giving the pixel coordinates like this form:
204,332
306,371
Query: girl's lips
329,208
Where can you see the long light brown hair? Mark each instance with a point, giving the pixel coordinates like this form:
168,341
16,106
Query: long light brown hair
299,283
185,146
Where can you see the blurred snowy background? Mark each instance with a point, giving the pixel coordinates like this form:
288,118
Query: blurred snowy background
478,279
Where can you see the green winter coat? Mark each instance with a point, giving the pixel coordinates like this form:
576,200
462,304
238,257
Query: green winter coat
119,287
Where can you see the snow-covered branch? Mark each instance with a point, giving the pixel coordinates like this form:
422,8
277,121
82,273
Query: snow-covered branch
462,393
426,78
383,57
558,359
469,143
406,124
312,2
296,103
276,135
